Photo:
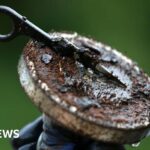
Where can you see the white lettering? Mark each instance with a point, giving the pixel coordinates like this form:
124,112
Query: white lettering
9,133
0,134
16,134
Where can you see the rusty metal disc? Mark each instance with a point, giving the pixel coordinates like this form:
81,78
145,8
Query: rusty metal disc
95,91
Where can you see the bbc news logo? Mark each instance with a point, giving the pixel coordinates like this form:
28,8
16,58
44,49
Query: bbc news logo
9,133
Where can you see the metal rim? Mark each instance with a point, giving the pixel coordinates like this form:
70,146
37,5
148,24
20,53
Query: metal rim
71,121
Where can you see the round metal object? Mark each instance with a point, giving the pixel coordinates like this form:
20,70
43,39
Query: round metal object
94,91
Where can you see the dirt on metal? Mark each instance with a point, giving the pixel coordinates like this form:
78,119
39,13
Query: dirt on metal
97,81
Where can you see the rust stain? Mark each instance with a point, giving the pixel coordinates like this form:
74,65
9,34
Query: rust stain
119,91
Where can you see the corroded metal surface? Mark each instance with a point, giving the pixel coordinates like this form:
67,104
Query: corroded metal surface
93,89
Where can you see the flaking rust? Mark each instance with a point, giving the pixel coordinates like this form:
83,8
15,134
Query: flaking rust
82,84
94,82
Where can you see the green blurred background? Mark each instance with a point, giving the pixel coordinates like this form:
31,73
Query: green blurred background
123,24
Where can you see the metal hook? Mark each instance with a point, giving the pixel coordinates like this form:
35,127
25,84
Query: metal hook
22,26
8,11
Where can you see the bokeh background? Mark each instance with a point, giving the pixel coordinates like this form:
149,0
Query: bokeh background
123,24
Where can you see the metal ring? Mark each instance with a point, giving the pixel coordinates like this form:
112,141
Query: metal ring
11,13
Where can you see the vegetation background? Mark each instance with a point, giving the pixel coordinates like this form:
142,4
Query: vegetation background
123,24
